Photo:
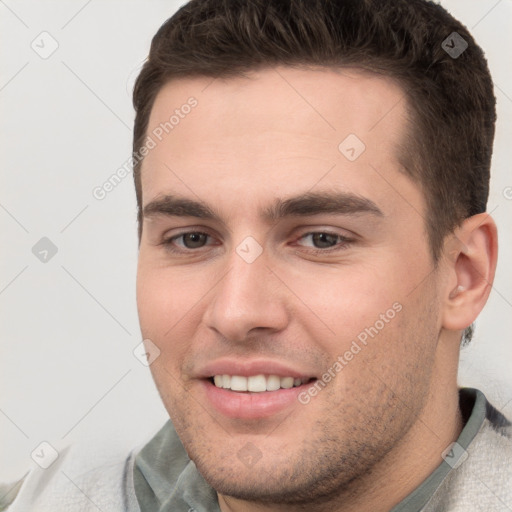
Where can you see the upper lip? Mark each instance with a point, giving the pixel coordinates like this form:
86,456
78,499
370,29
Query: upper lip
249,367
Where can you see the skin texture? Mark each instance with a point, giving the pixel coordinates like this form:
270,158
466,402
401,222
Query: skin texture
378,428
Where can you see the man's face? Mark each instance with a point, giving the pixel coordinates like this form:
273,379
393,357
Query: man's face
266,282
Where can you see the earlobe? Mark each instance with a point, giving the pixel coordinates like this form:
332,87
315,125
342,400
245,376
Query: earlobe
471,255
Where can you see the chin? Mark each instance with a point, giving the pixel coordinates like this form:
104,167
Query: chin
277,481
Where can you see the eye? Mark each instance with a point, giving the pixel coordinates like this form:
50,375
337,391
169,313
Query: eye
190,240
320,242
324,241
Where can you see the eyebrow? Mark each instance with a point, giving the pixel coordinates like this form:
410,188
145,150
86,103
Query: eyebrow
307,204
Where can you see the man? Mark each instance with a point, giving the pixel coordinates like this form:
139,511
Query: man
312,180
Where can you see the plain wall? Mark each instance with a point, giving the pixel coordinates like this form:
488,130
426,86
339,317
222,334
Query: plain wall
69,325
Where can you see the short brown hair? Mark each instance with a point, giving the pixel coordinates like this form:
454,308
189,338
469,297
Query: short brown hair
451,103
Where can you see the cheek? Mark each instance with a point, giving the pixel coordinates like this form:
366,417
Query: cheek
170,303
153,303
164,298
343,301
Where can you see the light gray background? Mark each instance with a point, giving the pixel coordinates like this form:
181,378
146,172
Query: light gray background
69,326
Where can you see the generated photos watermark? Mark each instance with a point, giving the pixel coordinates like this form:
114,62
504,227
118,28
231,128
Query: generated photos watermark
157,134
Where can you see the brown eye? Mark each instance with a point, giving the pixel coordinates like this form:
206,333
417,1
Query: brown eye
187,242
324,240
194,240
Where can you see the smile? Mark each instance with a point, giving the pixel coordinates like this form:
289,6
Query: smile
257,383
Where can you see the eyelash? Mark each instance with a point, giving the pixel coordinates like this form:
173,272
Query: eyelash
342,244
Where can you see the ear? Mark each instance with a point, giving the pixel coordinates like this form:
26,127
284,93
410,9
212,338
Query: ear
471,254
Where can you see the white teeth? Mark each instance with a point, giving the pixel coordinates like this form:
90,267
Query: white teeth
287,382
256,383
238,383
273,383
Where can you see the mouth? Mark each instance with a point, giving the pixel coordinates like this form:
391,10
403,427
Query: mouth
251,389
254,397
257,383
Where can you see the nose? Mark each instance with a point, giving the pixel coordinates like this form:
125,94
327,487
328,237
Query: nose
249,299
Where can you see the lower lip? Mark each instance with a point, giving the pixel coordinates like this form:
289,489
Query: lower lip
248,405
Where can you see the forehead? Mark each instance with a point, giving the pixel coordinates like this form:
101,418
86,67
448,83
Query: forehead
275,130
